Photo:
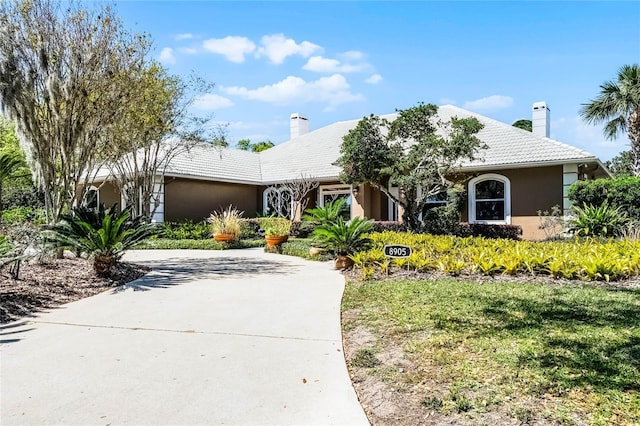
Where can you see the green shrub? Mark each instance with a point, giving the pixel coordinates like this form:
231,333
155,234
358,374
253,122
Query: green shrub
599,221
344,238
249,229
104,234
486,230
303,229
20,215
273,226
621,192
187,230
208,244
393,226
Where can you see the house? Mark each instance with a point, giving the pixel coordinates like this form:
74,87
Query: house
518,174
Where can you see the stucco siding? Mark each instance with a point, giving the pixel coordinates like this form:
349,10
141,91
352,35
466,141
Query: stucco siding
534,189
196,199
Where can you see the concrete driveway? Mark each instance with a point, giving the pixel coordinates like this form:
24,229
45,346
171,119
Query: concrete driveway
237,337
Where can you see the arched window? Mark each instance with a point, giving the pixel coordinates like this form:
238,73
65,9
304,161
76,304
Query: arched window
490,199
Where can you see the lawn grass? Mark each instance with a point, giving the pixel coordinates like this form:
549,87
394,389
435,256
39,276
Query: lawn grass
566,354
208,244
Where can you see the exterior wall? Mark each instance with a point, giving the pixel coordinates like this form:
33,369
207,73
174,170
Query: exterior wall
370,202
196,199
532,189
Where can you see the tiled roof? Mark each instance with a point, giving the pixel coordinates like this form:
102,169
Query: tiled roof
511,146
214,163
315,153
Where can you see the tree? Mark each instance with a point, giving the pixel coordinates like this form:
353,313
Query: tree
299,189
13,166
246,145
262,146
618,104
152,130
524,125
621,165
417,152
61,75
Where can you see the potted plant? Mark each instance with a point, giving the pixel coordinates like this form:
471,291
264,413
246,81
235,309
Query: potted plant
344,238
276,230
225,224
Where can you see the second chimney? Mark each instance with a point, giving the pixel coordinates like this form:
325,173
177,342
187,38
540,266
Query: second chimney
540,119
299,125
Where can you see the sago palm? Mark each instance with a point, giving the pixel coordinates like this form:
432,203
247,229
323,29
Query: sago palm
103,234
618,104
345,238
328,213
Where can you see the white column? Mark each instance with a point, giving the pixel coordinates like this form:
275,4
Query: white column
569,176
158,197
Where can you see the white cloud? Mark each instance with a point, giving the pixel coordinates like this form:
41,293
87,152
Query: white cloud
446,101
320,64
211,101
332,90
352,56
185,36
374,79
590,138
188,50
234,48
166,56
277,48
489,103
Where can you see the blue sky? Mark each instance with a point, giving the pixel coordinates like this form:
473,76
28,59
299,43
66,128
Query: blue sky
334,61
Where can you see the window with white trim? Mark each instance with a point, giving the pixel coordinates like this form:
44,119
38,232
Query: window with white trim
331,193
490,199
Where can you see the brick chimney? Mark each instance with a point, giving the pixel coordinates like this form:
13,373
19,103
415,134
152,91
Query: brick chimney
540,119
299,125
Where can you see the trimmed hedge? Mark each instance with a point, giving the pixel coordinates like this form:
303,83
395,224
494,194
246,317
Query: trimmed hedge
302,229
510,232
621,192
382,226
187,230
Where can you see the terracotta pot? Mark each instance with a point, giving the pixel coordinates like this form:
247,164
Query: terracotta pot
274,240
343,262
223,238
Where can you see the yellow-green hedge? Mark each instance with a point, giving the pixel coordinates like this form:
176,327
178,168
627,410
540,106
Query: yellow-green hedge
585,259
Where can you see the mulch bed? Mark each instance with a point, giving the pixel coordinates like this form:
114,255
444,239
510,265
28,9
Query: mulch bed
41,286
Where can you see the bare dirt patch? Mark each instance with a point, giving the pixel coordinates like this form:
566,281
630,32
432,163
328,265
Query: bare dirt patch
42,286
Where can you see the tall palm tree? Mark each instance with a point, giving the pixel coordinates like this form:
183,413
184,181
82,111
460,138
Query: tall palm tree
8,166
618,104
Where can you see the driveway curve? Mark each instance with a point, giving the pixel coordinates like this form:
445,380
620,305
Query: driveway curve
236,337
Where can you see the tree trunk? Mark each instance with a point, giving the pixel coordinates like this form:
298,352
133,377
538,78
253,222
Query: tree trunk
634,137
102,265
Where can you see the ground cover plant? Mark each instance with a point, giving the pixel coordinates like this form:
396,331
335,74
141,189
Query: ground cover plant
192,244
580,259
453,351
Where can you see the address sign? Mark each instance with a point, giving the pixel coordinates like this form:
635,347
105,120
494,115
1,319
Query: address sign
397,251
